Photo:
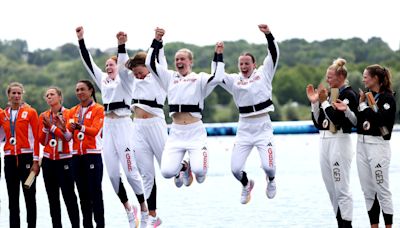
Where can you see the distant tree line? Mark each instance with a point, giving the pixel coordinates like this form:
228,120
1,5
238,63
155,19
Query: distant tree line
300,63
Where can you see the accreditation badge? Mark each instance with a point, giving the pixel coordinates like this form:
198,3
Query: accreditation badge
13,141
366,125
325,123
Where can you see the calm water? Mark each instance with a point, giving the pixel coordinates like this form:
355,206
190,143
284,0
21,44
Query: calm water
301,199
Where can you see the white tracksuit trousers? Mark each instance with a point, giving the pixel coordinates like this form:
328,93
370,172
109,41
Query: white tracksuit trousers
336,155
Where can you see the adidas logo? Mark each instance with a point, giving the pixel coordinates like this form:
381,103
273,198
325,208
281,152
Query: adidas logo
336,164
127,150
269,144
204,148
378,166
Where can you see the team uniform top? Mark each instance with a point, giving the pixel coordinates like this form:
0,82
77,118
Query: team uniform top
46,135
2,134
185,93
91,119
253,95
344,121
384,117
147,92
25,131
116,94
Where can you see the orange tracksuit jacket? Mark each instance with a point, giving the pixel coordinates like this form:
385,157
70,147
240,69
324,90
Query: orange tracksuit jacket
26,132
92,126
45,135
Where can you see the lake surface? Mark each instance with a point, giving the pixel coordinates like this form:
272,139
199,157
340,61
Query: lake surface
301,199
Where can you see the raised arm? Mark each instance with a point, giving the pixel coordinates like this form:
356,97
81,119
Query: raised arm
123,57
154,61
271,61
217,69
94,71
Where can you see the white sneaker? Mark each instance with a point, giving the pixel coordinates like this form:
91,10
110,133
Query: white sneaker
187,175
179,179
144,216
200,179
153,222
246,192
271,188
132,217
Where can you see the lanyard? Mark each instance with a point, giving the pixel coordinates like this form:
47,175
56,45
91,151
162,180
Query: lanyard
376,97
81,116
13,123
51,121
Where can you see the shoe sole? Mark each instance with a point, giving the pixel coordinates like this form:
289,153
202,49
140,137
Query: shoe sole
190,180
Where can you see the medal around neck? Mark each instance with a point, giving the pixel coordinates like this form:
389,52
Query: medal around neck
366,125
325,123
53,142
81,136
13,141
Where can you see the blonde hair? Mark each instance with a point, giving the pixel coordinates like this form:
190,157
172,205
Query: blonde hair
339,67
187,51
14,84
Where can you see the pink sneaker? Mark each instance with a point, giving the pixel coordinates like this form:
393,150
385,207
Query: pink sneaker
153,222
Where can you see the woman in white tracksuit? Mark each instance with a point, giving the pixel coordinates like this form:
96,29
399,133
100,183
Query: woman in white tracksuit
118,147
335,145
186,93
374,128
251,89
150,128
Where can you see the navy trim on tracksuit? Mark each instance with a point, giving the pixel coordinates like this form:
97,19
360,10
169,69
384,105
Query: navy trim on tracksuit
272,47
85,55
157,45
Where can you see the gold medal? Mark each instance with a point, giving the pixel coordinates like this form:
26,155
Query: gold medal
325,123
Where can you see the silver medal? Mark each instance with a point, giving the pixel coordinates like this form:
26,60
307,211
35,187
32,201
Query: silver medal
13,141
81,136
53,143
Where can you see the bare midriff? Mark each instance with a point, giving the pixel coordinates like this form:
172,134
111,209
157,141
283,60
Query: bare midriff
184,118
142,114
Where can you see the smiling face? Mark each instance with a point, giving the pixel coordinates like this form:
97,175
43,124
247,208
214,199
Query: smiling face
333,79
82,92
246,65
370,82
111,68
183,62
